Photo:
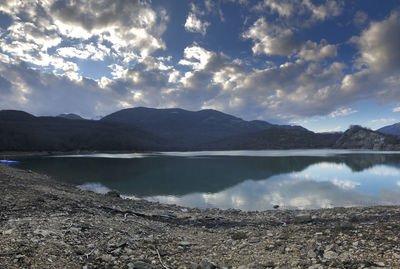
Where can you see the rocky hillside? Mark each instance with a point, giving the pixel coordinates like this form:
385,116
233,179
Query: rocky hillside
357,137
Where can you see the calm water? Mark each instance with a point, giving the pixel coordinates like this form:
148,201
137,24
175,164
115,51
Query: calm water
249,180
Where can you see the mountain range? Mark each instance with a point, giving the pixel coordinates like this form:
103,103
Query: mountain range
393,129
149,129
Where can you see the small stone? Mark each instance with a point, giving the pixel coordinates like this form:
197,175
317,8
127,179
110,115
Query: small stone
311,254
114,194
8,232
107,258
380,264
128,251
270,265
207,264
345,225
254,240
141,265
302,218
329,255
276,206
238,235
185,244
194,266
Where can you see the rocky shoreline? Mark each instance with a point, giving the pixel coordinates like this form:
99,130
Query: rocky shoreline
48,224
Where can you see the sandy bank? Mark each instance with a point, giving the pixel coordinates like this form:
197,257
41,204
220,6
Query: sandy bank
48,224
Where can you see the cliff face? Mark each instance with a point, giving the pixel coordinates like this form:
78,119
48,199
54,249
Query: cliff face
361,138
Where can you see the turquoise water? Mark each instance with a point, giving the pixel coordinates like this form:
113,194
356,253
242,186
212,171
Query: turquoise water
248,180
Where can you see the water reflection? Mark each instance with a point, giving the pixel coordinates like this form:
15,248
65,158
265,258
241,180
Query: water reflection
303,190
250,182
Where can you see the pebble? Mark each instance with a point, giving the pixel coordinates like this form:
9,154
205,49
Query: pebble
302,218
311,254
329,255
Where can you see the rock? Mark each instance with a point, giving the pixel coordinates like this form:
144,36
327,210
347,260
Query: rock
128,251
302,218
114,194
276,206
8,232
311,254
345,225
107,258
330,255
207,264
238,235
254,240
185,244
141,265
380,264
194,266
270,265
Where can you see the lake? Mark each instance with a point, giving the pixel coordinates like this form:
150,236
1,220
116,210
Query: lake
247,180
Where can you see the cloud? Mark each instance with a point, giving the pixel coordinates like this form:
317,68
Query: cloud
382,121
283,8
123,29
271,39
301,12
360,18
195,25
396,109
89,51
345,184
379,45
312,51
324,11
342,111
377,67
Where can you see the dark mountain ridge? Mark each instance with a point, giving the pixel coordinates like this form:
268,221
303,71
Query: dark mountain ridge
20,131
393,129
189,128
70,116
147,129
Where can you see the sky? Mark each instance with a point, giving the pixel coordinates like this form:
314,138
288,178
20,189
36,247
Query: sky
321,64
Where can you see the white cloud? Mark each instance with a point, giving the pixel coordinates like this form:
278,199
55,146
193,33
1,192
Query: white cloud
301,12
123,29
396,109
382,121
311,51
271,39
283,8
325,10
342,111
197,57
378,65
345,184
195,25
70,52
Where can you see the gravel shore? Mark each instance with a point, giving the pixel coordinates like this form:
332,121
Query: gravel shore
48,224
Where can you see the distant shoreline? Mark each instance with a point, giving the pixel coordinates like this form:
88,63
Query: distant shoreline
7,154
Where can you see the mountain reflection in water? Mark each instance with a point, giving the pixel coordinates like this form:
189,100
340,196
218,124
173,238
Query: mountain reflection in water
244,182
